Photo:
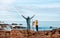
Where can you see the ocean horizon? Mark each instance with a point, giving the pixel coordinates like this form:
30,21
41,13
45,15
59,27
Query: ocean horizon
43,25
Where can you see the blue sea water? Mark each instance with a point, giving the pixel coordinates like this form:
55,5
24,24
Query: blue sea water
43,25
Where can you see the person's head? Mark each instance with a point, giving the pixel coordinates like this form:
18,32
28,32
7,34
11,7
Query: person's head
36,20
28,17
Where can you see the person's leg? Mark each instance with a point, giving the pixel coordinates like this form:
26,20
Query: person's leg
36,28
28,27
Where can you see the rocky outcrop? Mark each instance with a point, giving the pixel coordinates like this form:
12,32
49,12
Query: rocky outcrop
55,33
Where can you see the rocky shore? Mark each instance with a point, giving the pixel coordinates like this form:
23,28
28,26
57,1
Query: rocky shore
55,33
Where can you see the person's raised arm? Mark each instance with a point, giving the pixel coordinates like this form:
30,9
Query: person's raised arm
23,17
32,16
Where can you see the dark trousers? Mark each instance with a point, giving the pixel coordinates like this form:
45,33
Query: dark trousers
28,26
37,28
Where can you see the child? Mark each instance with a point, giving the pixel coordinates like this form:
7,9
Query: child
36,25
33,23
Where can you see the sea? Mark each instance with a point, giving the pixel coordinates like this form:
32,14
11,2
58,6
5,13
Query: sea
43,25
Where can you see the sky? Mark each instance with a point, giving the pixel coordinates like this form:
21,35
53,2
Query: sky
44,10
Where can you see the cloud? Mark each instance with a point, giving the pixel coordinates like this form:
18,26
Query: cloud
43,11
6,1
40,6
49,6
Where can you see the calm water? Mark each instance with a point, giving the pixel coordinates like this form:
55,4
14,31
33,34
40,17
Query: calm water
43,25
